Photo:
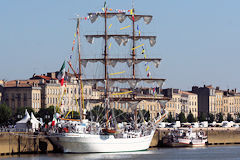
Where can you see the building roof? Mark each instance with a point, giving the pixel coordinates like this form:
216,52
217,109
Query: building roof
188,93
21,83
219,91
209,86
46,78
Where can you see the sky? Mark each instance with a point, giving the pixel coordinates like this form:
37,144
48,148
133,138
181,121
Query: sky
198,40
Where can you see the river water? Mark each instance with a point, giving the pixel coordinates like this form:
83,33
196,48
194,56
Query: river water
230,152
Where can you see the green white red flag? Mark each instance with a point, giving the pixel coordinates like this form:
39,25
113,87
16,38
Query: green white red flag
61,74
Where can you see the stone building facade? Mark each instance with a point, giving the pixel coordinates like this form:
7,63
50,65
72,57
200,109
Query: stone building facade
181,101
213,101
25,93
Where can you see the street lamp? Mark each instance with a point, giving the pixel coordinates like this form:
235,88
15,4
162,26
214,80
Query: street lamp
19,116
47,116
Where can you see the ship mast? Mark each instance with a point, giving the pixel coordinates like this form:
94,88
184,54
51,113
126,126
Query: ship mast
105,66
133,34
80,72
133,58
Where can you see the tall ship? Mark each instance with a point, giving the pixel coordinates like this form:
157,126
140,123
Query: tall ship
91,134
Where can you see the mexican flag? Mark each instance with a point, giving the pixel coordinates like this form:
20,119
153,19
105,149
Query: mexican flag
61,74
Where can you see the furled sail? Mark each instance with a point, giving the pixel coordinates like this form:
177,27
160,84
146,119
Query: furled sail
120,16
122,39
132,82
147,18
114,61
94,16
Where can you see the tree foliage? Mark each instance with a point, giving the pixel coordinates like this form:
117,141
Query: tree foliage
229,117
5,114
237,120
96,114
202,117
182,117
190,118
46,114
211,118
219,117
170,118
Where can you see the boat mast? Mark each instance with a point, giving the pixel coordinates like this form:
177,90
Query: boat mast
105,67
133,58
80,71
133,45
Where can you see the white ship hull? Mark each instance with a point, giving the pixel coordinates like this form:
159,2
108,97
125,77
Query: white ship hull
86,143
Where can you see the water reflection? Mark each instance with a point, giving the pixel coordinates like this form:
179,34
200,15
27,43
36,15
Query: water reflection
202,153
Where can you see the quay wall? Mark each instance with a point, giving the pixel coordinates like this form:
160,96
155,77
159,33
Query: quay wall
215,135
16,143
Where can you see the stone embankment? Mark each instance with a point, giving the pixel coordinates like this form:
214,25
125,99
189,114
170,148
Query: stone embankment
16,143
215,135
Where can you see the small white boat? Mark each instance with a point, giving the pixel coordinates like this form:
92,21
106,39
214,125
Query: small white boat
185,138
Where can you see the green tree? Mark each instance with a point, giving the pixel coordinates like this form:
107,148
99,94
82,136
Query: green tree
46,114
190,118
211,118
202,117
182,117
170,118
219,117
5,114
229,117
119,115
96,114
237,118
